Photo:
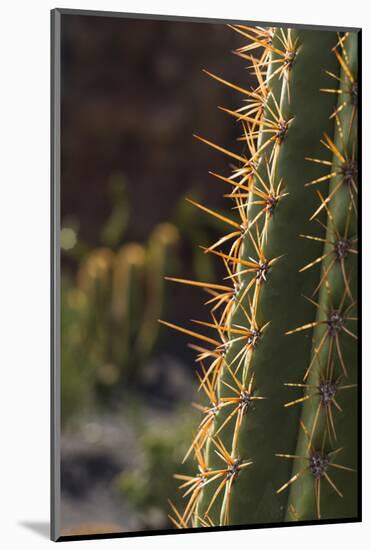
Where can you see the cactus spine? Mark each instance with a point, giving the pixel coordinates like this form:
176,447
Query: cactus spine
251,356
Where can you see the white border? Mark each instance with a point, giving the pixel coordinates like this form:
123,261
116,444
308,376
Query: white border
25,176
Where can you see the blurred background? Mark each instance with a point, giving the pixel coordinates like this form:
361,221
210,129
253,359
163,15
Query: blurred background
133,92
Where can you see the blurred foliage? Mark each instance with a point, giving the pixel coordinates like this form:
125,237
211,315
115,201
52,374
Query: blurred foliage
115,226
114,294
77,369
195,229
147,486
112,232
109,316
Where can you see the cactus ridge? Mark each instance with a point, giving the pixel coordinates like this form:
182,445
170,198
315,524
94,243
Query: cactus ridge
244,365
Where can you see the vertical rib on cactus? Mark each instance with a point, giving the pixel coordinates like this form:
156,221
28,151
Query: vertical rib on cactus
248,358
330,410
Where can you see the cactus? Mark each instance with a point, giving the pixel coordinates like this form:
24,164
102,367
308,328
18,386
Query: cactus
160,260
281,341
326,432
139,296
124,294
94,280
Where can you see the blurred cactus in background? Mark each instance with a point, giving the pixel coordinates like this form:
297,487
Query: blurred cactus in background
111,306
138,297
111,314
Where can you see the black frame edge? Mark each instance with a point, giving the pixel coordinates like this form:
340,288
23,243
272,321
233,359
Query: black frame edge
184,18
55,106
192,530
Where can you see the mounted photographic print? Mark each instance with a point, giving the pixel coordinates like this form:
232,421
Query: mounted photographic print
205,371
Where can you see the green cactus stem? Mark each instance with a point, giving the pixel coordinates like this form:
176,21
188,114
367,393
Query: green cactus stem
330,407
248,357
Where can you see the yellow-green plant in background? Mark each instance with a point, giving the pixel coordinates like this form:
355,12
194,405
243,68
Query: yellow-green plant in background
110,314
